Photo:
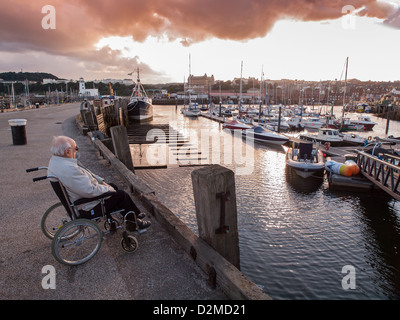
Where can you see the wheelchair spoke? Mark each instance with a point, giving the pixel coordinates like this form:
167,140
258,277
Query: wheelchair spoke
53,219
82,247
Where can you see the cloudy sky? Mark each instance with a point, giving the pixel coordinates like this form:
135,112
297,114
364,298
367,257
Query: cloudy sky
297,39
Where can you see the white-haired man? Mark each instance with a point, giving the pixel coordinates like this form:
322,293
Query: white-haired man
81,183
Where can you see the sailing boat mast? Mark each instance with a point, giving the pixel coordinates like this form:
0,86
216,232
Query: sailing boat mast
241,74
190,71
344,92
261,81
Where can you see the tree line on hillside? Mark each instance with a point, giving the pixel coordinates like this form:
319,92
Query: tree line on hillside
119,89
30,76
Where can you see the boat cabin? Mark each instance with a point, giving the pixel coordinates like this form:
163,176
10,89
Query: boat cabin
328,133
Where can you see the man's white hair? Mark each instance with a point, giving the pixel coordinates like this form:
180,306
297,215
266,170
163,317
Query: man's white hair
61,144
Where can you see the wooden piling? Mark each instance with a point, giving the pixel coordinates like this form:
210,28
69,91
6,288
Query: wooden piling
121,145
216,211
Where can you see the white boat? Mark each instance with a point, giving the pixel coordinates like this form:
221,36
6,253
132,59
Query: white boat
305,159
235,125
324,135
261,134
191,111
252,112
295,123
274,122
312,123
353,139
365,121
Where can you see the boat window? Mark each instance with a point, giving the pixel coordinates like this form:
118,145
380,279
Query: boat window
259,129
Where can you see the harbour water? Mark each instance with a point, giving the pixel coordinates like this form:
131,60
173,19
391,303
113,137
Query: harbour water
298,239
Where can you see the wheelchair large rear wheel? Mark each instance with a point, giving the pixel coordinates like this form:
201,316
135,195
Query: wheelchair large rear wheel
76,242
53,219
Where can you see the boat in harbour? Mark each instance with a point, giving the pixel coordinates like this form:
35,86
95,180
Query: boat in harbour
344,125
236,125
305,159
192,110
353,139
364,121
312,123
261,134
140,107
334,138
324,135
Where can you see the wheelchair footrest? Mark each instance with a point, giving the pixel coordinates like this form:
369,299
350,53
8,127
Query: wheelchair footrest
140,231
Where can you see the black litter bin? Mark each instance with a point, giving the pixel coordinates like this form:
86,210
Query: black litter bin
18,131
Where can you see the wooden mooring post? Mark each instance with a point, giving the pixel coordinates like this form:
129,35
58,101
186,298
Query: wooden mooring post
216,211
121,145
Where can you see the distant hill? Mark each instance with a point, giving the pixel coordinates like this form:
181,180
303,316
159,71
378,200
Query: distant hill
31,76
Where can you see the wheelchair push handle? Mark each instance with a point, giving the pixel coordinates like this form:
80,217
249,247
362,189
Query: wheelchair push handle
39,178
35,169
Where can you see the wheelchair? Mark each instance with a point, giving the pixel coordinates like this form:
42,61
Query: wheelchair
76,240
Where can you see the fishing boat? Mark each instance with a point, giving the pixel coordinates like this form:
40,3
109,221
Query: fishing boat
236,125
305,159
364,121
261,134
345,125
140,106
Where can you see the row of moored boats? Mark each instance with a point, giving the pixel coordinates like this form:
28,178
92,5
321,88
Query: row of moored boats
304,155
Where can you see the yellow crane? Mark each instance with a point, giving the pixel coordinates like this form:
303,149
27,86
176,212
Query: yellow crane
111,89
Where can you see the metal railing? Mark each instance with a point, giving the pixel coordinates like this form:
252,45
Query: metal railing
384,172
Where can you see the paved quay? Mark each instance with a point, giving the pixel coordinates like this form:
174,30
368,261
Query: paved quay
158,270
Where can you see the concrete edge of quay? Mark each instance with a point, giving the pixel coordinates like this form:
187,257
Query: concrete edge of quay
220,271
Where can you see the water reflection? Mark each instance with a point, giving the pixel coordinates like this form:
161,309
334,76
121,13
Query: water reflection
295,234
380,229
303,186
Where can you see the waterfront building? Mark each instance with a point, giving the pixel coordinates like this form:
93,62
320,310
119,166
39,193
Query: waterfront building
200,84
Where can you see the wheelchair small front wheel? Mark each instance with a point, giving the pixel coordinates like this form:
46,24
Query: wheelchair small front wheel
129,243
53,219
79,248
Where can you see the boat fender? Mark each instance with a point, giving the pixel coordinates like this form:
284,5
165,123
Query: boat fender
354,167
327,145
340,168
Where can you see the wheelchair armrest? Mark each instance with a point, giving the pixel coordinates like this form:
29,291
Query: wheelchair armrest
87,200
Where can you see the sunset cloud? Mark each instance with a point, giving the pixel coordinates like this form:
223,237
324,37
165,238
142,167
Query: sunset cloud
80,24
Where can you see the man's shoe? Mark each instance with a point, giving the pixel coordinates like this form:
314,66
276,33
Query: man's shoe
142,224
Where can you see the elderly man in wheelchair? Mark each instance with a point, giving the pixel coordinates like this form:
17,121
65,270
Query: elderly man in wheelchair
86,197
